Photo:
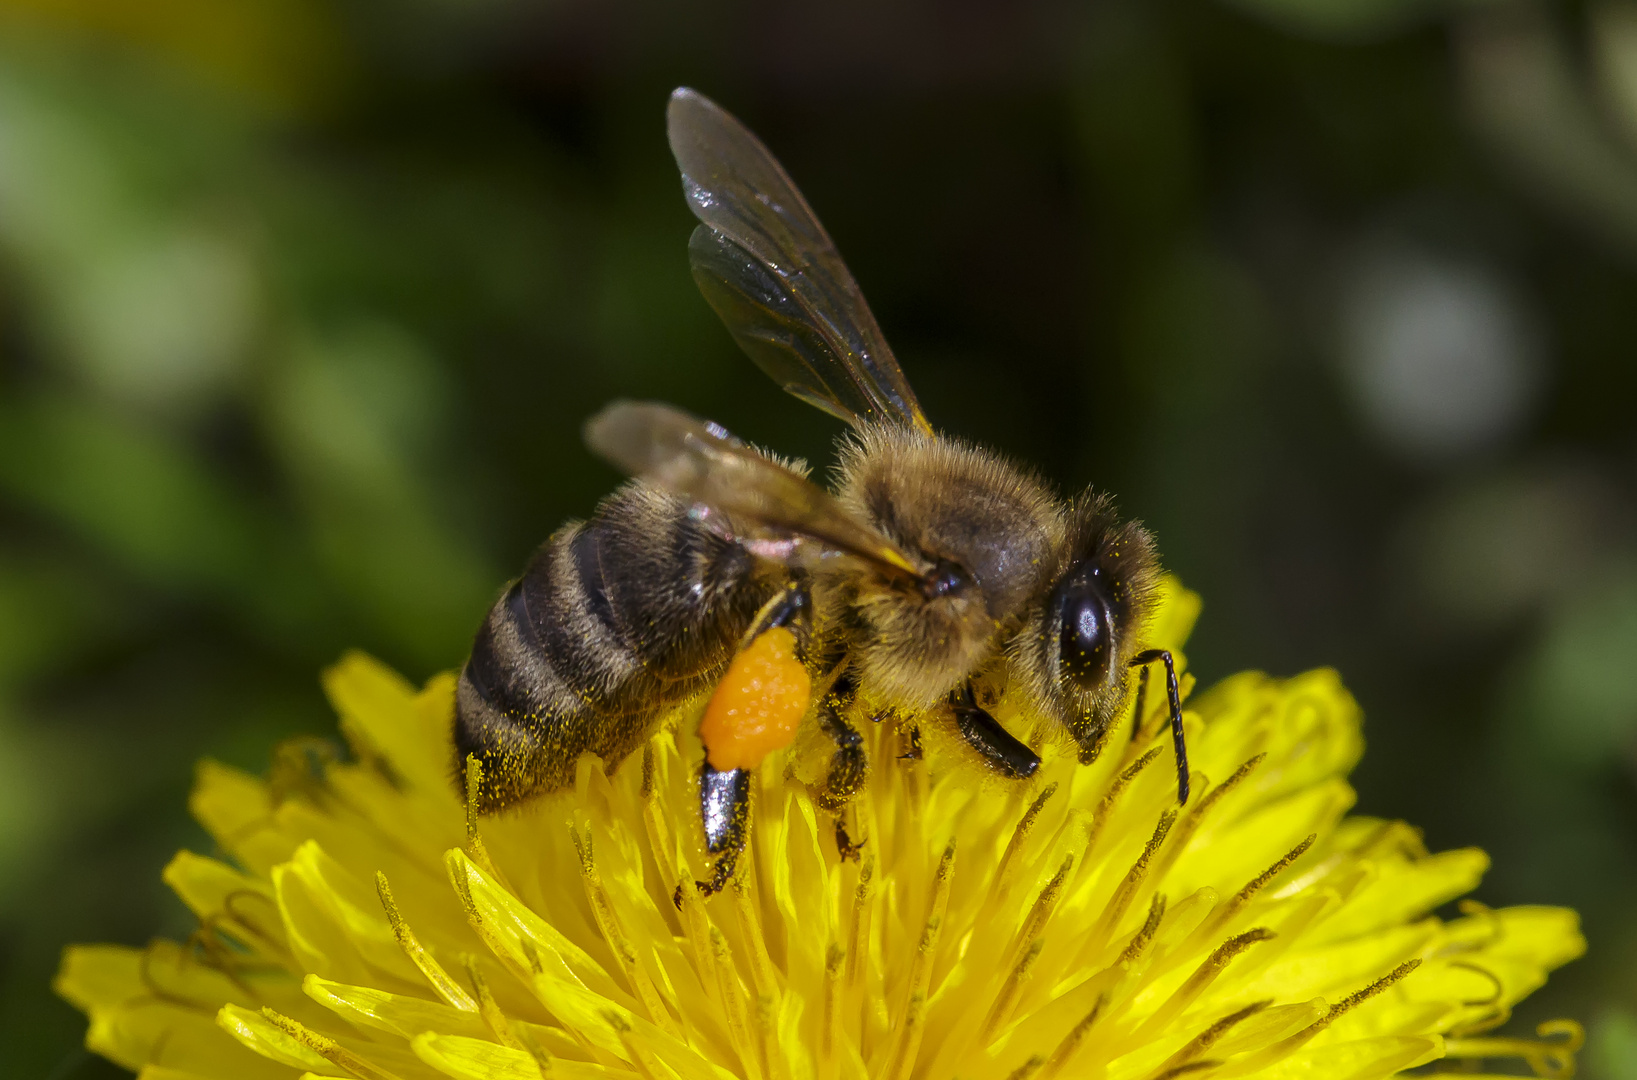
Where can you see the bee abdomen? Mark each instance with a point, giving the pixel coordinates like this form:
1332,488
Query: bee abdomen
614,621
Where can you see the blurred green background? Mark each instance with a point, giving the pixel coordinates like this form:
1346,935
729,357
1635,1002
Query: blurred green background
302,303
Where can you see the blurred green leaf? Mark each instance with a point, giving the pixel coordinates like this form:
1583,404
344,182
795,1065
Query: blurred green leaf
141,499
1613,1050
280,55
356,414
1342,20
1585,683
52,608
1528,99
1614,53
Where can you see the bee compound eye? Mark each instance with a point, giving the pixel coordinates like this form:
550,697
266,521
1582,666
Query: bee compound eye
1086,637
947,579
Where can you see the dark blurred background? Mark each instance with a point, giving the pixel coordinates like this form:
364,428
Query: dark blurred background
302,303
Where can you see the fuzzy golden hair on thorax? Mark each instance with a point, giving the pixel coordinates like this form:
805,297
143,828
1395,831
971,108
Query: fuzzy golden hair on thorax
943,502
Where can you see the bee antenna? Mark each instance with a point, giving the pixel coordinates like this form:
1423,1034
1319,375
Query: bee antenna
1174,699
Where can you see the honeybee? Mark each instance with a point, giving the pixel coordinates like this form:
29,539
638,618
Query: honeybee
933,563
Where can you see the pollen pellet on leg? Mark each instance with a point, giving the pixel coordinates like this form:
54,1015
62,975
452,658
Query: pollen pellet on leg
758,704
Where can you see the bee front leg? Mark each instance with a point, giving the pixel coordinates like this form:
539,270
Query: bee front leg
1174,700
1000,750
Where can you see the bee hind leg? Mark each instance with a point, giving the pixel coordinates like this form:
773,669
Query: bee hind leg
724,808
753,712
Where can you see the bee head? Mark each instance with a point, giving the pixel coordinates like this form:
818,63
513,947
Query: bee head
1072,652
985,534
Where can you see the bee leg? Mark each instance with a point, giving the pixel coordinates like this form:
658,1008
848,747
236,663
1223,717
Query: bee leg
753,712
724,807
914,751
791,607
845,847
1142,702
849,766
1175,699
1000,750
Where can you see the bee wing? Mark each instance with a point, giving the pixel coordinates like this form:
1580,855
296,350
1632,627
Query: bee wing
772,273
700,461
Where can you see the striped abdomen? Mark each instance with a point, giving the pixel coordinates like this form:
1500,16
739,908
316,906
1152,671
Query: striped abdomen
615,620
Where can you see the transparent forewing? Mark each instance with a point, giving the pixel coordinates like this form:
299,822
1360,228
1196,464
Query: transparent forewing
700,461
769,323
771,272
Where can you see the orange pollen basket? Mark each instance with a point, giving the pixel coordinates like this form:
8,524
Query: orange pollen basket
758,704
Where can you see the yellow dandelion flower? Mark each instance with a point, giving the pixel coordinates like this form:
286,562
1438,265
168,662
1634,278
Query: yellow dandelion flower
362,924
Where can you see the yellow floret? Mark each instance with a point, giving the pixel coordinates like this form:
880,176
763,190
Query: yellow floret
1083,926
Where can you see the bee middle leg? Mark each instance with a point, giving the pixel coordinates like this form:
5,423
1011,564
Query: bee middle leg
997,746
849,765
